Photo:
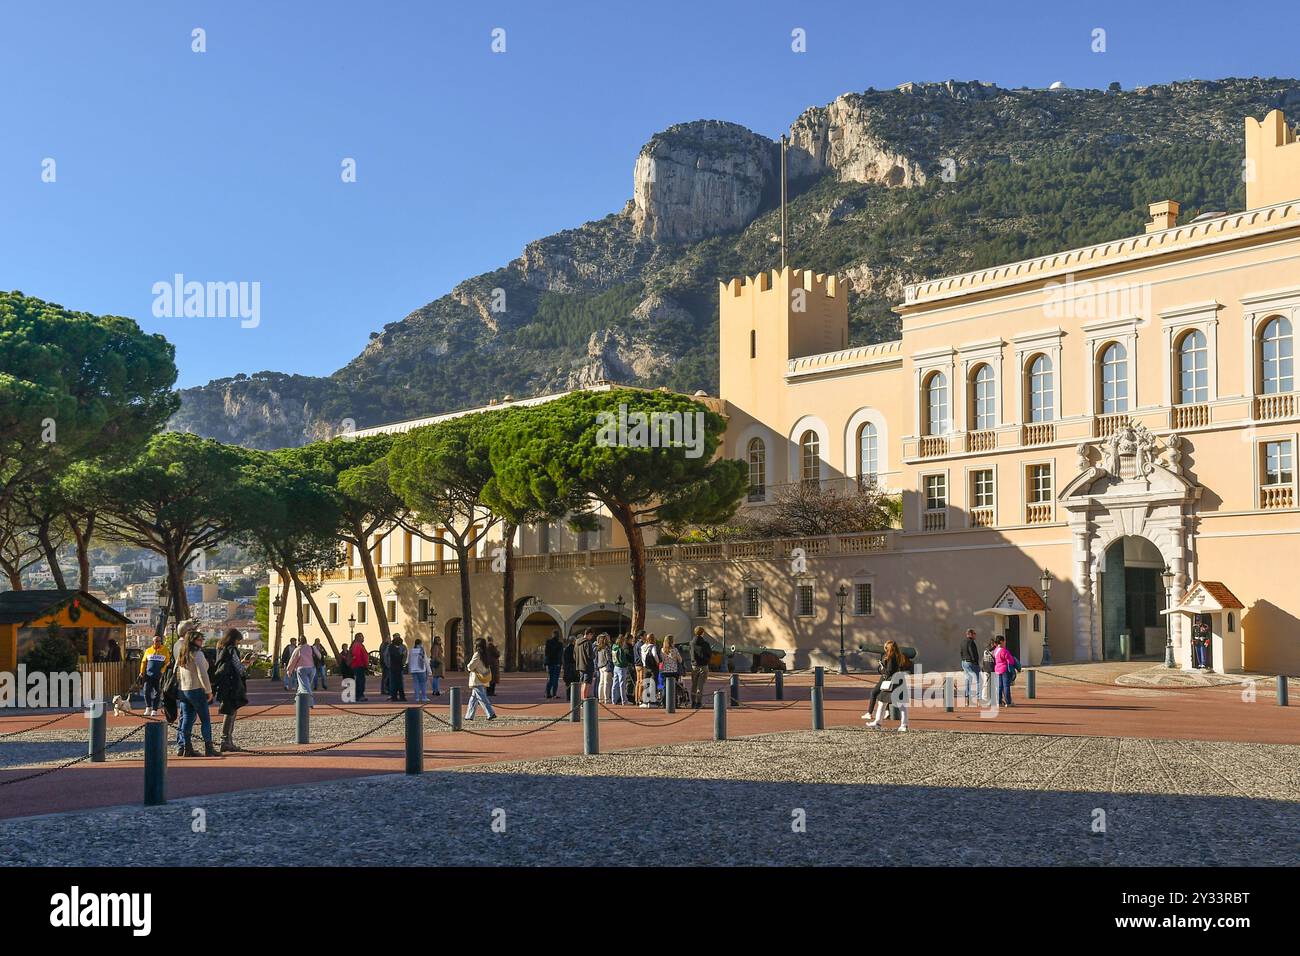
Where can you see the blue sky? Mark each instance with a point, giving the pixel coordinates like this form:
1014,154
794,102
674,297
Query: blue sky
225,165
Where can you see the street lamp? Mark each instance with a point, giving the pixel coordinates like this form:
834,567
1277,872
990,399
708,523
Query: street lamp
1045,581
722,602
276,604
619,604
842,594
1167,579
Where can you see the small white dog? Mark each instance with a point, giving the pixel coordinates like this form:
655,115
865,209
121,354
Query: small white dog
122,705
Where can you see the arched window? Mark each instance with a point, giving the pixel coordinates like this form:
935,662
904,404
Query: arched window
1193,369
1277,364
1112,376
868,453
757,469
936,404
810,465
1040,390
983,398
1232,623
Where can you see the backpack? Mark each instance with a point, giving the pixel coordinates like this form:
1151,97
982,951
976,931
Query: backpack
989,660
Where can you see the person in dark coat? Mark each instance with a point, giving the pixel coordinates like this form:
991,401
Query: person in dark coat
570,668
892,661
970,665
494,662
554,659
383,666
230,685
584,660
396,661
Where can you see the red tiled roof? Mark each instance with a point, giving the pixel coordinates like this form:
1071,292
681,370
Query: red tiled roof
1030,598
1219,591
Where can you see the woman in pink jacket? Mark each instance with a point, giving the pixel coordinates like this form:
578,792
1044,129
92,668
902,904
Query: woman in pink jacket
1004,666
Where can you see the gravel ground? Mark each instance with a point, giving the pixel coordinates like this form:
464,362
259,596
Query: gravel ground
44,747
861,797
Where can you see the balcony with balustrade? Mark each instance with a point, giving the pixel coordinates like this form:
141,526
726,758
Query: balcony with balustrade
1273,497
1276,407
1184,417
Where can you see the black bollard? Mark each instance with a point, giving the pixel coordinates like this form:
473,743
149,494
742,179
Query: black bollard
735,690
155,764
575,713
818,717
414,740
590,733
453,702
98,731
780,685
670,695
1281,690
719,715
819,677
1031,685
303,704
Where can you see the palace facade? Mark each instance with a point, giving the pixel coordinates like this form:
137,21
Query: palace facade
1095,452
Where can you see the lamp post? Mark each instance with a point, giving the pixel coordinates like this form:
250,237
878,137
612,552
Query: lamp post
1167,579
1045,581
842,594
722,602
619,604
352,626
276,605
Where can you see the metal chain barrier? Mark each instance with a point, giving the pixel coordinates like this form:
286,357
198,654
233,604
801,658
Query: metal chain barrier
72,763
15,733
317,750
486,733
639,723
1082,680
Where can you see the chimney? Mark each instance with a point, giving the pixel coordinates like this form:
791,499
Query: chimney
1164,215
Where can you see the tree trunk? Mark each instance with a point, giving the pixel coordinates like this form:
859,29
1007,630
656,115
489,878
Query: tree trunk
83,549
466,611
508,597
329,638
52,558
279,620
14,575
176,581
636,558
372,582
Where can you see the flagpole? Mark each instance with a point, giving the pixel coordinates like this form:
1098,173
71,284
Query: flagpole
783,144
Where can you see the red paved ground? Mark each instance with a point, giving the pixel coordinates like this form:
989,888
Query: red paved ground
1062,707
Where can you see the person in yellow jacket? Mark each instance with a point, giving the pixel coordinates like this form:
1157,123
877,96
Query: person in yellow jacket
156,657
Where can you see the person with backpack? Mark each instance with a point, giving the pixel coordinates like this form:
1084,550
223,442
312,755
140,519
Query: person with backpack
570,668
152,664
384,672
553,657
701,657
230,686
604,667
970,664
419,666
396,664
1005,666
620,658
494,663
360,666
649,671
671,665
893,668
987,663
435,667
194,690
318,652
480,676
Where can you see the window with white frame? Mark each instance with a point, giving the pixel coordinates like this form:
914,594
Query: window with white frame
1041,390
361,611
757,453
804,605
334,611
392,609
983,398
862,598
810,465
1278,462
306,613
936,404
1277,357
423,610
702,602
1039,484
868,453
753,601
1193,369
981,488
1113,380
936,492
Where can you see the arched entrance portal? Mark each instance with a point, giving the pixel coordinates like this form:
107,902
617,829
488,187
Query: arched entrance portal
1132,600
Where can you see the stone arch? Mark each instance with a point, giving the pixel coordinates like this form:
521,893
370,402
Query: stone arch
863,416
804,424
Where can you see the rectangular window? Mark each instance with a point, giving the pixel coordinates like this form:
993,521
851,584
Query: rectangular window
753,344
752,601
804,600
544,538
306,614
936,492
1039,484
701,602
392,611
981,488
862,598
424,610
361,612
1278,463
334,612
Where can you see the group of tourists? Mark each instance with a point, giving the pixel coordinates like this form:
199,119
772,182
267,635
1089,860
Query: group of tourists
627,669
178,682
395,661
304,661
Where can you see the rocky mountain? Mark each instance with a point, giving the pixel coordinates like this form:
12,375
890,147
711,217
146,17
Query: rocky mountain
886,187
